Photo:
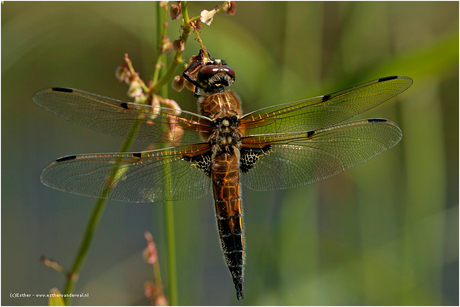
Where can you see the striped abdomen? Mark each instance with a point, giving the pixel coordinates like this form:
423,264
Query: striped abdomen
226,186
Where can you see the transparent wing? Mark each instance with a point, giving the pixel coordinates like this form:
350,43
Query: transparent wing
289,160
323,111
150,176
114,117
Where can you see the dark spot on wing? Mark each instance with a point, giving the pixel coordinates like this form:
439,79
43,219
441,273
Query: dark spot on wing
250,156
66,158
326,97
124,105
388,78
137,155
203,162
62,89
377,120
310,133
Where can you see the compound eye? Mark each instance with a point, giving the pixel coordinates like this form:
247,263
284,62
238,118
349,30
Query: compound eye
208,71
211,69
228,70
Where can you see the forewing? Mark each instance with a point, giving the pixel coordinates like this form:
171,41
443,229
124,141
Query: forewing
150,176
281,161
118,118
323,111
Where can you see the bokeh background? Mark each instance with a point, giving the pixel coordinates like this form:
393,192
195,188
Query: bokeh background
383,233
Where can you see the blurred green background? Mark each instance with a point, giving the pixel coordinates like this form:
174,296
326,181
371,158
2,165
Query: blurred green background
383,233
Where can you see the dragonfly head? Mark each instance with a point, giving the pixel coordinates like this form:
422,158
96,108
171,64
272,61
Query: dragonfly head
215,76
209,75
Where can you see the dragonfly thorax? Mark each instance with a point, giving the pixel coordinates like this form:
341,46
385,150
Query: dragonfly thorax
226,135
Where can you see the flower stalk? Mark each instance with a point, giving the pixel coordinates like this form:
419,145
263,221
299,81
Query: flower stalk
154,92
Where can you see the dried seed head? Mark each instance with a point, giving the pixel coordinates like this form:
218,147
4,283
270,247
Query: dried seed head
150,252
175,10
161,301
197,25
179,45
230,8
135,89
189,86
122,73
149,289
178,83
171,104
155,102
166,47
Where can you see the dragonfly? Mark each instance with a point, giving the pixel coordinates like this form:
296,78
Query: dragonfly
277,147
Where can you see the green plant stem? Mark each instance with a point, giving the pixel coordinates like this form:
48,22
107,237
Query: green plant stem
166,76
91,227
178,56
171,243
101,202
94,219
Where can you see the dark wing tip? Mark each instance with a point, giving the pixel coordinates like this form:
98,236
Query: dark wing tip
387,78
66,158
377,120
38,95
396,77
62,89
